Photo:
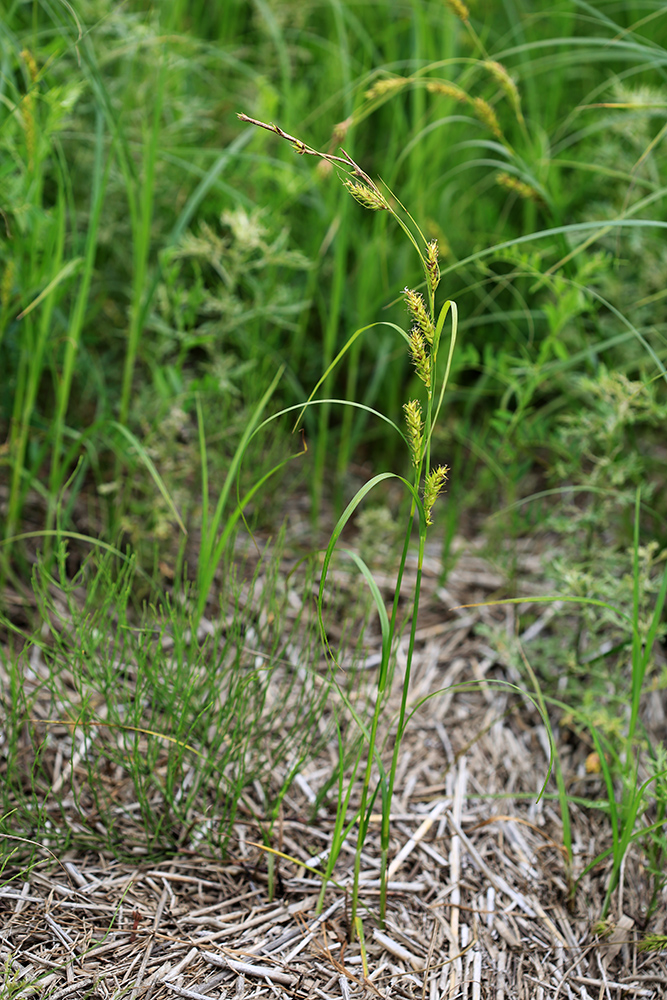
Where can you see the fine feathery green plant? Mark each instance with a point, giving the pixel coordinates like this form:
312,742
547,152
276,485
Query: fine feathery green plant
634,770
428,482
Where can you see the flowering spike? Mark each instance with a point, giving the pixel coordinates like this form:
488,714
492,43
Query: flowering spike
415,425
433,487
506,84
520,187
368,197
459,8
432,265
419,313
420,356
487,116
387,86
447,89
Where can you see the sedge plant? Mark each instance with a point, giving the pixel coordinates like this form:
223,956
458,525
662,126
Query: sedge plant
428,482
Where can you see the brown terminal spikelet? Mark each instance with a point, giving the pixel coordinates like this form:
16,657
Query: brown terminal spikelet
420,356
487,116
419,313
368,197
433,487
459,8
415,426
432,265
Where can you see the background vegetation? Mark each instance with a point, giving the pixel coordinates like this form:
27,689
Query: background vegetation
169,276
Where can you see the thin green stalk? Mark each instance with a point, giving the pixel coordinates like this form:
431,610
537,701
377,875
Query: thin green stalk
329,345
142,243
384,839
75,328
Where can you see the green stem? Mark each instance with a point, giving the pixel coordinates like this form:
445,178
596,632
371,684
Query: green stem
399,730
384,681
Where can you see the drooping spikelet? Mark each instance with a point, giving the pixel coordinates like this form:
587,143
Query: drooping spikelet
388,86
420,356
506,84
459,8
487,116
433,487
419,313
415,426
432,265
447,89
368,197
30,62
520,187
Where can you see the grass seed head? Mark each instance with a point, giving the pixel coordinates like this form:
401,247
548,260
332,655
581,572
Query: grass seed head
446,89
487,116
420,356
30,62
433,487
368,197
419,313
388,86
459,8
520,187
432,266
506,84
415,426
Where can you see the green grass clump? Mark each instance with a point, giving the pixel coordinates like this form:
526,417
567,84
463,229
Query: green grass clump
163,723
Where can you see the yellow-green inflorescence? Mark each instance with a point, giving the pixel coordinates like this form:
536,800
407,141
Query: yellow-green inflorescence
433,487
507,85
420,356
415,426
432,265
419,312
367,196
458,8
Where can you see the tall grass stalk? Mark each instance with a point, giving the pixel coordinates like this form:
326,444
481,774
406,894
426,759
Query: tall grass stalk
141,194
423,343
64,381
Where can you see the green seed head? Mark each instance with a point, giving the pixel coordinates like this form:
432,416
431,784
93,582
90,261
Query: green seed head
420,356
415,426
432,265
419,313
388,86
459,8
447,89
368,197
433,487
487,116
506,84
520,187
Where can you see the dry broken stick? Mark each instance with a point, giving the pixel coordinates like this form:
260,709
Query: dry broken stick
367,193
245,969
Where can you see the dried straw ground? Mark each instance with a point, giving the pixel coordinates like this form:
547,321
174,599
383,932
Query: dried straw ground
478,894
